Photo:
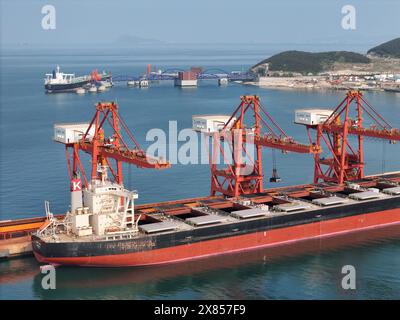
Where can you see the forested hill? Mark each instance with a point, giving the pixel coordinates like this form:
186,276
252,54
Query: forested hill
387,49
314,62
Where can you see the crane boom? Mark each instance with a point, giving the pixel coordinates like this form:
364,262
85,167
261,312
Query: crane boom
134,157
373,132
240,178
114,147
346,160
286,145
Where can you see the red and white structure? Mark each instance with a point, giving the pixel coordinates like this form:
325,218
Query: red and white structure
108,152
346,160
250,124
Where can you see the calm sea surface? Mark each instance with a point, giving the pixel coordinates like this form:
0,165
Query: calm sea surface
33,169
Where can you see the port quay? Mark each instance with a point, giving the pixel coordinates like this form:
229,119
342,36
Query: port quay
186,78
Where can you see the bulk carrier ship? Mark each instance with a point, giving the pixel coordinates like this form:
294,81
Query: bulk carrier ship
104,228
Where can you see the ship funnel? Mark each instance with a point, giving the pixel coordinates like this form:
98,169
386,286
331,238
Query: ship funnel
76,194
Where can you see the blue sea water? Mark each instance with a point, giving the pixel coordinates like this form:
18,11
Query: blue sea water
33,169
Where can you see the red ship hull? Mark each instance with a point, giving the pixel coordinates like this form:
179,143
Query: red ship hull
234,244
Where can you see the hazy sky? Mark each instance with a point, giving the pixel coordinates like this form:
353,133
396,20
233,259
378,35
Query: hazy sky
199,21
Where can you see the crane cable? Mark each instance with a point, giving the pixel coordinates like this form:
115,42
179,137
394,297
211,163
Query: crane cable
383,156
274,176
130,178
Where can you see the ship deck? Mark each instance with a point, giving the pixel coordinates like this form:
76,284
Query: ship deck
204,212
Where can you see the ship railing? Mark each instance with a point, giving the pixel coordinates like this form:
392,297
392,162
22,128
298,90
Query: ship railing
117,235
49,214
52,223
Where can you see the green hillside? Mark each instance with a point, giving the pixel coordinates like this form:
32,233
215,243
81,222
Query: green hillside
305,62
387,49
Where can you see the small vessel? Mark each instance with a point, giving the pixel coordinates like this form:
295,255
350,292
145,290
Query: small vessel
107,84
93,89
143,83
80,91
132,83
101,88
58,81
392,89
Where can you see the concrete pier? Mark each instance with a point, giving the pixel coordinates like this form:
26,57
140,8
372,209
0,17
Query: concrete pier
186,79
15,247
185,83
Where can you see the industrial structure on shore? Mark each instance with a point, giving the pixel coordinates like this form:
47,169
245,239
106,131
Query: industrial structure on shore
57,81
186,78
105,228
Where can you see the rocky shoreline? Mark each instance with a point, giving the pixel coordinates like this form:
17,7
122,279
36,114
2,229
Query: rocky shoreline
321,83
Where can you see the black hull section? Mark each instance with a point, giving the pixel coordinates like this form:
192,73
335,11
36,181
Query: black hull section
53,88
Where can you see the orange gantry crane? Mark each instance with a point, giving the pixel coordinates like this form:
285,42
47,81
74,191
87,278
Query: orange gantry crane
103,150
242,171
346,160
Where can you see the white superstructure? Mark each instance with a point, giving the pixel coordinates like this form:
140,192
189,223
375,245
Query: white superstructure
58,77
210,123
72,132
102,209
312,116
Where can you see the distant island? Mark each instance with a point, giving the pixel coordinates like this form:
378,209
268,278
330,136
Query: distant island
378,69
316,62
389,49
306,62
